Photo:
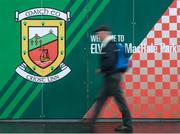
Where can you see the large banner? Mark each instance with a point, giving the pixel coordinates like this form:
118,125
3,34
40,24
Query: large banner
49,55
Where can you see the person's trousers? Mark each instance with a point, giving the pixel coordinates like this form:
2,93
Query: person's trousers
112,88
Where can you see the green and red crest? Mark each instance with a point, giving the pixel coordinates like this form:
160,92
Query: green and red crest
43,44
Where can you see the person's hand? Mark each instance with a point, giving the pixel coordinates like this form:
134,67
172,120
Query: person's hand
98,71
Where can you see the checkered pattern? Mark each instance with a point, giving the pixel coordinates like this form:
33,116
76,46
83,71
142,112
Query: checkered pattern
152,85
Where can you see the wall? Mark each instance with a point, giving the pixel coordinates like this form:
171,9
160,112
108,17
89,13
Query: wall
73,96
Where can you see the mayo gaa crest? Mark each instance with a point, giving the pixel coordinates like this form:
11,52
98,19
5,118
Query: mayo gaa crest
42,44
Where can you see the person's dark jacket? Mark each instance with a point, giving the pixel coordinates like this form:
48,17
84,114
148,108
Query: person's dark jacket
108,58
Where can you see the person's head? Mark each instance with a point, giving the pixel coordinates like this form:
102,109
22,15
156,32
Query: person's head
102,32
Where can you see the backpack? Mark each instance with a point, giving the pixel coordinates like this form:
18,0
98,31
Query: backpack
122,63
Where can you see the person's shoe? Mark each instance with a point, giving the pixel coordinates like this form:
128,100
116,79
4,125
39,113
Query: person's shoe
124,129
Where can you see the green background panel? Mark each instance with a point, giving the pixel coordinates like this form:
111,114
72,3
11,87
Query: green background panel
72,96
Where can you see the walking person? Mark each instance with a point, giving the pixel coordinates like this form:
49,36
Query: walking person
108,59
